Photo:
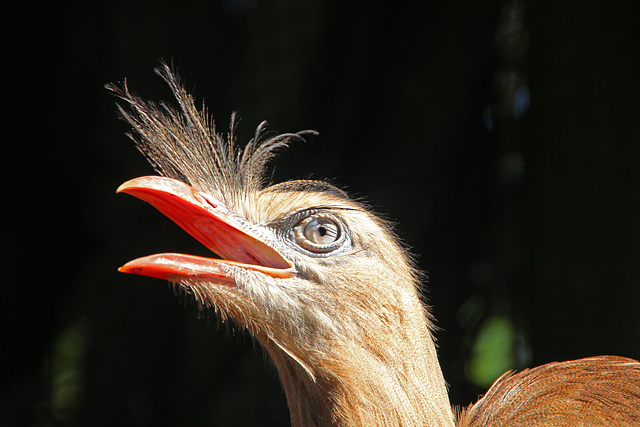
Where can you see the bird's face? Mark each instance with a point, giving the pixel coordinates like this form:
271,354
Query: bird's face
302,267
310,273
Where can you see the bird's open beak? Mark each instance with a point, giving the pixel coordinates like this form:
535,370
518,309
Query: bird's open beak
209,222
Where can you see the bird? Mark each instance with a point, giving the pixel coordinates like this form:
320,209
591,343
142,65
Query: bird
326,287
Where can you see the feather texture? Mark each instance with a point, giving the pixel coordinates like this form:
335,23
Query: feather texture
184,144
599,391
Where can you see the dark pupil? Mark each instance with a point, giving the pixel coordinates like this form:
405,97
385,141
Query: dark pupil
321,231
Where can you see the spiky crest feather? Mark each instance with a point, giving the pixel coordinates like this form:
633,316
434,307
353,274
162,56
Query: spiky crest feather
183,144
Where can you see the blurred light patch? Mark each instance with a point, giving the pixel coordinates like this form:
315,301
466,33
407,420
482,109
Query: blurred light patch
511,99
67,370
510,91
493,351
470,312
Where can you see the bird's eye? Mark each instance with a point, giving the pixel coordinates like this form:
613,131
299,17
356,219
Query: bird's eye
321,231
319,234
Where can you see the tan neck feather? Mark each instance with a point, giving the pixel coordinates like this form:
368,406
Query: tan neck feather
397,382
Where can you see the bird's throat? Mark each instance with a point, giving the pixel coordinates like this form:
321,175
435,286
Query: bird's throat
374,386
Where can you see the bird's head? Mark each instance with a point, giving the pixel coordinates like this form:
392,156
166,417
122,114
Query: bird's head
303,267
321,282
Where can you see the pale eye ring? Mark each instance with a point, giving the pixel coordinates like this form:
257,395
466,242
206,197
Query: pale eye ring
319,234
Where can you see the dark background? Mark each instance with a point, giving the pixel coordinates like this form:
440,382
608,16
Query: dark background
535,221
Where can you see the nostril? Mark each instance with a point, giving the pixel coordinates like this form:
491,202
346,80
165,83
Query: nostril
210,200
253,259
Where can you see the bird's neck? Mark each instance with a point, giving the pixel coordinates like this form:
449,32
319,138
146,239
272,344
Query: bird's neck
391,380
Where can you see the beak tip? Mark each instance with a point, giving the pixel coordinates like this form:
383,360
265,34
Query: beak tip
129,267
124,187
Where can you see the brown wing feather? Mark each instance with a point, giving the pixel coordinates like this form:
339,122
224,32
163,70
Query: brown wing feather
596,391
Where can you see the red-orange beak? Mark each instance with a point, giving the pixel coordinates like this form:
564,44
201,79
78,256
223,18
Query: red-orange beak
209,222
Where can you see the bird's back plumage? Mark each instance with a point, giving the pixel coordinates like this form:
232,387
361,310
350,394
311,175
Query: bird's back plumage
599,391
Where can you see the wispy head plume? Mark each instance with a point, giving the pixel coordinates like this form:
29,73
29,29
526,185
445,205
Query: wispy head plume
183,144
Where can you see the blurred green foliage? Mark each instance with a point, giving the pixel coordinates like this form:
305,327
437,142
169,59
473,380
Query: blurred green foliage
493,351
